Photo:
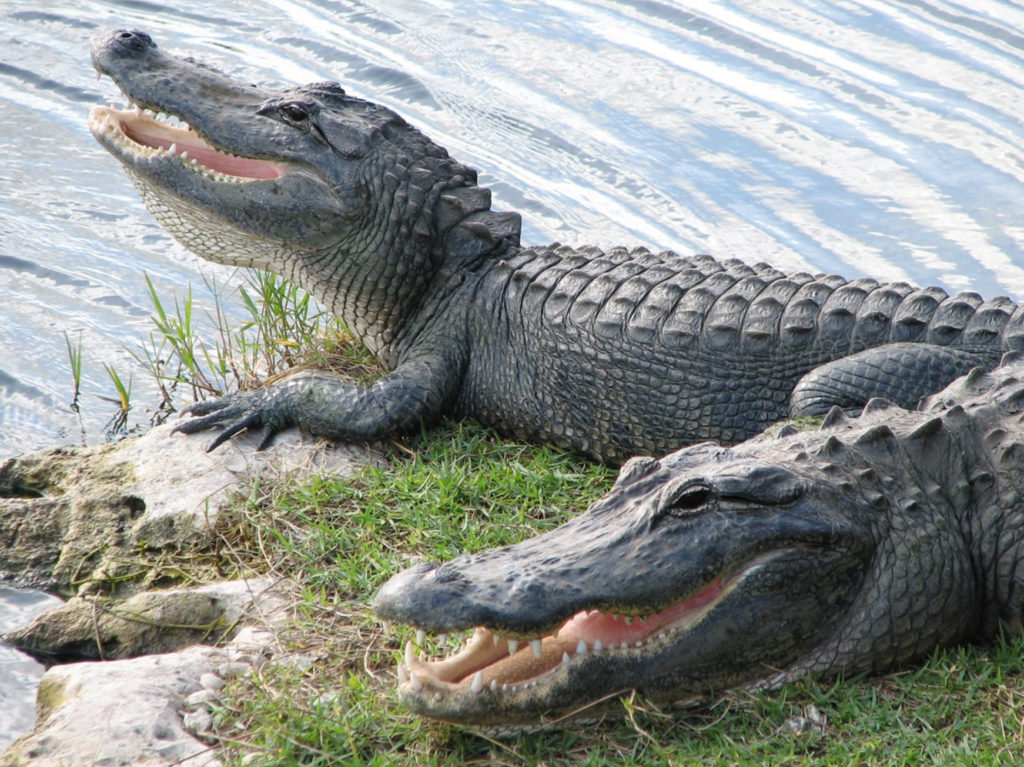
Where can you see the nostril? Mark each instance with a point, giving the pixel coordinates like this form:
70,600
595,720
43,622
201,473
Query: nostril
135,39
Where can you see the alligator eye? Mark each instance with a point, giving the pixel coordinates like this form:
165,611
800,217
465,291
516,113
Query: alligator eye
294,112
695,496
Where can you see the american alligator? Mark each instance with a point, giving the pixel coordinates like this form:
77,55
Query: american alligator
610,353
855,548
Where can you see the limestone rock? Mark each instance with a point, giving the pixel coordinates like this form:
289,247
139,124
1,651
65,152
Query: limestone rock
68,515
148,710
147,623
123,712
70,518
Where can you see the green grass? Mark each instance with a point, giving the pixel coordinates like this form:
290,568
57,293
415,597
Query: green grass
460,488
284,330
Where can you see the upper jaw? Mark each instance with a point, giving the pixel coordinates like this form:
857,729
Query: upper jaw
176,101
138,137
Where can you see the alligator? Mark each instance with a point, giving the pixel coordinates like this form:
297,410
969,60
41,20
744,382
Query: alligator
609,353
858,547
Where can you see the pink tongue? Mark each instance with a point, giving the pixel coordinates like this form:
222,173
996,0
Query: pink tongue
593,625
233,166
205,154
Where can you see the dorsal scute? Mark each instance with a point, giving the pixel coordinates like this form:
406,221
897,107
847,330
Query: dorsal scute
875,435
838,314
989,322
1013,331
877,405
762,325
874,317
915,312
685,323
799,321
725,316
834,418
951,317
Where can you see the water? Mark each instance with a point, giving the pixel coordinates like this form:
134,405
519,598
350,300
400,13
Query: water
859,137
19,674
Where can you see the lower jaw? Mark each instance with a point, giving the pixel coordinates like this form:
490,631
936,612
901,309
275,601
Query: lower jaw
559,680
505,666
537,704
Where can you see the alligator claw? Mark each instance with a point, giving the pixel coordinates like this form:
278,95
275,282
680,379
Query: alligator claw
232,430
209,406
267,435
232,414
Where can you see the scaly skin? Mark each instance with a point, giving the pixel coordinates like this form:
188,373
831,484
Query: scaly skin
611,353
856,548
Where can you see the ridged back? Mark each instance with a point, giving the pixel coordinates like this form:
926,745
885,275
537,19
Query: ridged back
677,301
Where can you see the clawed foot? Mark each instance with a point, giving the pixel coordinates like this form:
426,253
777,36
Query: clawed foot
234,413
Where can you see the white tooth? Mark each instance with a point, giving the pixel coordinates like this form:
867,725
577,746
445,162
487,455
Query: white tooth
184,154
403,673
497,640
565,658
513,645
628,619
442,638
478,682
615,617
172,149
410,654
581,648
597,645
639,643
535,647
420,636
504,687
494,685
414,682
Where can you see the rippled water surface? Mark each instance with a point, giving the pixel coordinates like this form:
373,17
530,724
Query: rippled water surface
864,138
19,674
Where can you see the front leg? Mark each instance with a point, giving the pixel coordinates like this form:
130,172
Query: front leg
417,392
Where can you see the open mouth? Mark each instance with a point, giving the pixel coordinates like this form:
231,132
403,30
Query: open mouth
504,665
138,134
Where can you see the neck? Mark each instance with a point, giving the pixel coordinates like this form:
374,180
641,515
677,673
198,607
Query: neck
377,285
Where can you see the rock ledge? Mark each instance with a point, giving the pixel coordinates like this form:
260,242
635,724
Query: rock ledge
70,520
